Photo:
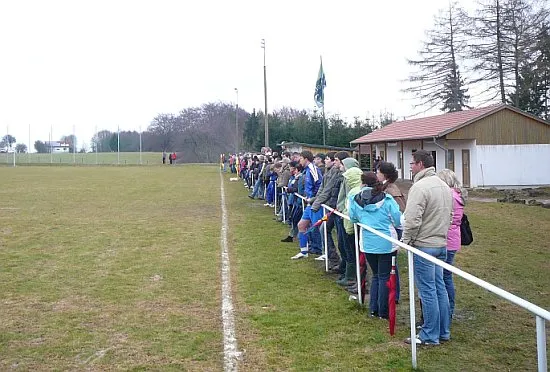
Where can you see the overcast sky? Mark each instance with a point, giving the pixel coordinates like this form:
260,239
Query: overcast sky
121,62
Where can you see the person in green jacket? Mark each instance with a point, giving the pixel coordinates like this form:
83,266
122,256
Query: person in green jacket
350,186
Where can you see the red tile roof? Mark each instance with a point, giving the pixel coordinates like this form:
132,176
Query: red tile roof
432,126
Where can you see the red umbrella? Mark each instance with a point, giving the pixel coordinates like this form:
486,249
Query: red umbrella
392,285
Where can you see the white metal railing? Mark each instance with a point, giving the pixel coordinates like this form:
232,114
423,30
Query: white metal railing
541,315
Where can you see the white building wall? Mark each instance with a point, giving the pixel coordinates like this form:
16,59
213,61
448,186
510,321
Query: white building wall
513,165
490,165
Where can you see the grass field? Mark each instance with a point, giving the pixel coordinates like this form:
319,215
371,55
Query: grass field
118,268
102,158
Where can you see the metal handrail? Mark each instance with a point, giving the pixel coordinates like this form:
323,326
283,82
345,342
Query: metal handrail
541,314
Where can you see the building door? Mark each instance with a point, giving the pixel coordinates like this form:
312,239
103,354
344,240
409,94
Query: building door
466,168
434,155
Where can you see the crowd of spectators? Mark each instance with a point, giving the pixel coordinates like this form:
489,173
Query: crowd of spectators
298,185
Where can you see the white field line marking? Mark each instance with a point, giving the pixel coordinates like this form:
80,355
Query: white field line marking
230,353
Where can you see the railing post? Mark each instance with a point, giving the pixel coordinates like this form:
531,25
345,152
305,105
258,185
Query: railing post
275,189
412,310
325,236
541,344
283,198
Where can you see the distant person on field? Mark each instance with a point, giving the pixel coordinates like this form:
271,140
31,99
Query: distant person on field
453,236
174,158
428,216
163,157
170,158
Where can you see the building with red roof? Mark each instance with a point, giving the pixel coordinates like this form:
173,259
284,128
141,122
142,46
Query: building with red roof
497,145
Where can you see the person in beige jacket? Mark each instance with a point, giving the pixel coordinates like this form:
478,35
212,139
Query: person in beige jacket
428,215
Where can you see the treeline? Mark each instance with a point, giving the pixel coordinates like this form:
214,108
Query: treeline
499,52
202,133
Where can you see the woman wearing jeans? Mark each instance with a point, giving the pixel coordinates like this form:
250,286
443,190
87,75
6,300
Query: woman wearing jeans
378,210
453,236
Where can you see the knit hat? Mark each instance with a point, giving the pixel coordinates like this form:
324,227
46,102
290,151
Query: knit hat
320,156
350,163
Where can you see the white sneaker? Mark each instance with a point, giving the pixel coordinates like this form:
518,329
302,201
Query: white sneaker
272,205
267,205
299,256
321,258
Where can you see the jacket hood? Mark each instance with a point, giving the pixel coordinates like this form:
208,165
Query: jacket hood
350,163
367,201
353,176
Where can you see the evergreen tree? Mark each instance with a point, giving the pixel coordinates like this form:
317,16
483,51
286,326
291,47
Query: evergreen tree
250,132
542,68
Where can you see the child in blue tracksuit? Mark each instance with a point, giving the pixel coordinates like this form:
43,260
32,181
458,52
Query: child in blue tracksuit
270,193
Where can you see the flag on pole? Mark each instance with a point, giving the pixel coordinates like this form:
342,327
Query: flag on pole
320,87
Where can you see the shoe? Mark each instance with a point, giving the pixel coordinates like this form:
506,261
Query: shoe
299,256
419,325
250,196
373,314
272,205
419,342
315,252
288,239
266,205
443,340
352,289
321,258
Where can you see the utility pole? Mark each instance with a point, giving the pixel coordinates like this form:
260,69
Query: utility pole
266,124
237,123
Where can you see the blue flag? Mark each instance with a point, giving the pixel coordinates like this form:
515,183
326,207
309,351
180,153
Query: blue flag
320,85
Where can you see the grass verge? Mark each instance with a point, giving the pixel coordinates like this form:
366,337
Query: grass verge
294,317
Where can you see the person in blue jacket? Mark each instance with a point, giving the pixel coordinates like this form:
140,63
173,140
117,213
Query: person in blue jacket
312,181
378,210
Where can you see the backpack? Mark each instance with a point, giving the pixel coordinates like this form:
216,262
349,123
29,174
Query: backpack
466,236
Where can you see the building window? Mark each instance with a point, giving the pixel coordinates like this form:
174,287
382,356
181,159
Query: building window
451,159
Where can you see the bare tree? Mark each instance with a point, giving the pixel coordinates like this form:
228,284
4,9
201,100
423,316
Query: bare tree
437,80
164,125
505,32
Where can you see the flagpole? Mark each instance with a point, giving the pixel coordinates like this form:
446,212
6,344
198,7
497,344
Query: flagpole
324,124
7,150
96,144
74,145
29,149
237,123
319,96
118,147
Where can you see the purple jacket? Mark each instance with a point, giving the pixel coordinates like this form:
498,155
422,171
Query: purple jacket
453,236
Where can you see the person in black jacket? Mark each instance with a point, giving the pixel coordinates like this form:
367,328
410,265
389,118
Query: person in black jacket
328,195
